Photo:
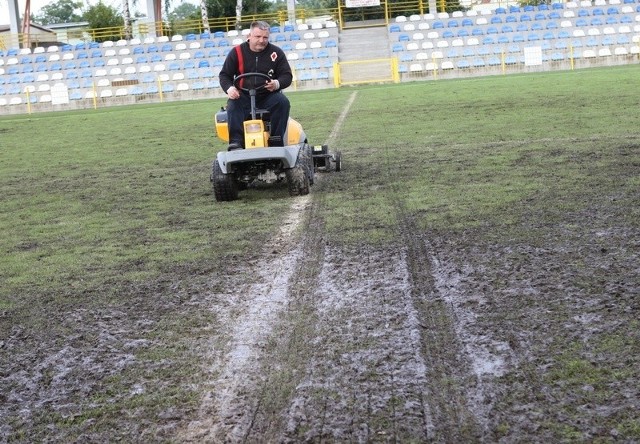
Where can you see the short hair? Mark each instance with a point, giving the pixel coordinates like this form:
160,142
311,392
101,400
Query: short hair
264,26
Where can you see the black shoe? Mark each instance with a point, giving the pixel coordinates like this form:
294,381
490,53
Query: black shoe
235,146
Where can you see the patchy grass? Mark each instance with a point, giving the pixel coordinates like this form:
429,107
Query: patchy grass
112,243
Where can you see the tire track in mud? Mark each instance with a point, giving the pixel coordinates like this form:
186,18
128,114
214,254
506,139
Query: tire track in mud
347,344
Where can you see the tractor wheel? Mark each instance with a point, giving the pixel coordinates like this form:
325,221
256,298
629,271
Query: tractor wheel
225,187
338,161
298,176
311,168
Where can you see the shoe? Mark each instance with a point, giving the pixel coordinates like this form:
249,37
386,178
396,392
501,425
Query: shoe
235,146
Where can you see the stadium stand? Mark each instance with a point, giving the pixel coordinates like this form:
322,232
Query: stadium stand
456,44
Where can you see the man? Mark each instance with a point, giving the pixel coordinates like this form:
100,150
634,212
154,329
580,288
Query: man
256,55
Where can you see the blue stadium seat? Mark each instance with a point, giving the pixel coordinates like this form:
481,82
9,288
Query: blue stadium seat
84,64
138,50
478,63
218,34
394,28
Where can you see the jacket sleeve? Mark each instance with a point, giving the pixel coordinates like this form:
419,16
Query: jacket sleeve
228,71
283,70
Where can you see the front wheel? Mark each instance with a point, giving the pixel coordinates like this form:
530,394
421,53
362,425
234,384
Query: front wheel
225,187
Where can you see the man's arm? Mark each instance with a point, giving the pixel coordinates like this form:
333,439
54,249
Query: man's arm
228,71
283,71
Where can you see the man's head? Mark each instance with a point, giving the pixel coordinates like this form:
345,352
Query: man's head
259,36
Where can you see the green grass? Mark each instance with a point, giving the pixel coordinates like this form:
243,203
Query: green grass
101,209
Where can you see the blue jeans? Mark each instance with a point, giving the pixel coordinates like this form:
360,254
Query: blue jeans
276,103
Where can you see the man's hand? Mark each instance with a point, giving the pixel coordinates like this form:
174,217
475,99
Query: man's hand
233,93
272,85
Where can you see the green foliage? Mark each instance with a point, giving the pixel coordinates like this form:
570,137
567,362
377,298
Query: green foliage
60,11
103,16
186,11
227,8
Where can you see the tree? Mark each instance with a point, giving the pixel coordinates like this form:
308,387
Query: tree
103,16
60,11
186,11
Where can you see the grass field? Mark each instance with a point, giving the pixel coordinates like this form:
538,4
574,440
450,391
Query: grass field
114,251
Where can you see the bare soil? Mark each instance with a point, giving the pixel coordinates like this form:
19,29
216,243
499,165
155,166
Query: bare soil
476,337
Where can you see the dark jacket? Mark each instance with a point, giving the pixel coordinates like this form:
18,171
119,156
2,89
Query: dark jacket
272,62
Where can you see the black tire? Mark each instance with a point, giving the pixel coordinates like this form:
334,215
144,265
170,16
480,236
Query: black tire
298,176
225,187
338,161
311,168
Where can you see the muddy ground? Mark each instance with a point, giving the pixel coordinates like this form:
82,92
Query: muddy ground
436,338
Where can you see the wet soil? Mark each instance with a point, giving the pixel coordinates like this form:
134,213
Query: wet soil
435,338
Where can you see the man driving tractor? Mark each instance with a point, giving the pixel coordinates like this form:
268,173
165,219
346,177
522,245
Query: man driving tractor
257,55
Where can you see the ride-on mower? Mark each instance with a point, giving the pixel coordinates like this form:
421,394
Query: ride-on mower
296,161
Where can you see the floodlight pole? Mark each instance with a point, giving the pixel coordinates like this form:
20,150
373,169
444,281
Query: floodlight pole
14,16
291,11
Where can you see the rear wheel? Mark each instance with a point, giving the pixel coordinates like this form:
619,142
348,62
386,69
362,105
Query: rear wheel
225,187
298,176
337,158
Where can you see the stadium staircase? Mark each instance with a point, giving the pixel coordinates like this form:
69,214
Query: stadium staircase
360,44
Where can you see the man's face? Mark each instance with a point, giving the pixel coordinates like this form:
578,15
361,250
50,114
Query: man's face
258,39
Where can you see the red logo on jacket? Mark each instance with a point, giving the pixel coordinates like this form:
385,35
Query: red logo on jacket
274,56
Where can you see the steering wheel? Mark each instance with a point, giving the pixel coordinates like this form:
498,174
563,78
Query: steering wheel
236,81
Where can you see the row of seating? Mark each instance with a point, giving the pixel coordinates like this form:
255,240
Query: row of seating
193,41
545,40
420,67
514,26
482,51
149,84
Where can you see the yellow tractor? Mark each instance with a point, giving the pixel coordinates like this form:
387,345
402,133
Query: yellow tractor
296,161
